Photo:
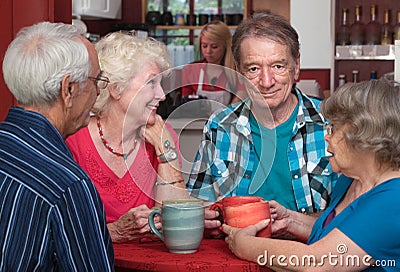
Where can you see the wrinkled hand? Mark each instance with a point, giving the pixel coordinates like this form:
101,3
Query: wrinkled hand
212,224
156,133
280,219
133,224
237,239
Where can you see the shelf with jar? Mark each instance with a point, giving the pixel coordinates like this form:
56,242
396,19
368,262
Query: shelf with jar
365,52
176,27
164,17
365,32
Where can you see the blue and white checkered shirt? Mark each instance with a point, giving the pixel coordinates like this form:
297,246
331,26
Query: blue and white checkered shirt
225,157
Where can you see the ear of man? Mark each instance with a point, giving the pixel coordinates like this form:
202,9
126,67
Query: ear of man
68,91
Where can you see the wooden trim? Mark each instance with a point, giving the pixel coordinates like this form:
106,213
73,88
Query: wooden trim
175,27
144,11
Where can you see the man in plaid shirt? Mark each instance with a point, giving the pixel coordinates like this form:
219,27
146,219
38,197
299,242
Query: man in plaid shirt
272,143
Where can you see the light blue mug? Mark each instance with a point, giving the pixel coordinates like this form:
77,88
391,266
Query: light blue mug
182,225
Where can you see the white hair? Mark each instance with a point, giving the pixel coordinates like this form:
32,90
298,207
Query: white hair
122,57
39,57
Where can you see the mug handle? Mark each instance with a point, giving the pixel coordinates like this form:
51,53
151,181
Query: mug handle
217,206
152,226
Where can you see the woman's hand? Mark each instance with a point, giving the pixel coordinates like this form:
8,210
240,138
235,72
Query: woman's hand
156,134
238,239
290,225
280,219
133,224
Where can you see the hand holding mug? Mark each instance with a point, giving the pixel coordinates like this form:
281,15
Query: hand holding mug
236,234
182,225
212,224
243,211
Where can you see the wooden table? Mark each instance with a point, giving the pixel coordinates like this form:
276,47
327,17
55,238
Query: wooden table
213,255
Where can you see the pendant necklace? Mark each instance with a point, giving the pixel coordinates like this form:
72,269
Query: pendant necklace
109,148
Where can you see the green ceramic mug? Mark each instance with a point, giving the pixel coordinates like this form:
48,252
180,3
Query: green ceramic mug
182,225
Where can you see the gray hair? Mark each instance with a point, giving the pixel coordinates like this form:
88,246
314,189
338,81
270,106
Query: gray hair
122,57
39,57
371,109
266,25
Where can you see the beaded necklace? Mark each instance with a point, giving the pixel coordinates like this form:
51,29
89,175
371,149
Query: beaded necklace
109,148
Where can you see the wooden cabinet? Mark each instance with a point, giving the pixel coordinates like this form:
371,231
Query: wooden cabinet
109,9
14,17
365,58
6,34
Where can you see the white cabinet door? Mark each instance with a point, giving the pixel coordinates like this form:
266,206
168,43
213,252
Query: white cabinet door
312,20
110,9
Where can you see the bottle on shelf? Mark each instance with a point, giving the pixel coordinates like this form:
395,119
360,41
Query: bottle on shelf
355,75
343,34
342,79
373,28
180,19
167,18
357,29
396,29
387,30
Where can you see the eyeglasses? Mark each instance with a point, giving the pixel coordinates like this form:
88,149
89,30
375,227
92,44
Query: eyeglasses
100,81
329,128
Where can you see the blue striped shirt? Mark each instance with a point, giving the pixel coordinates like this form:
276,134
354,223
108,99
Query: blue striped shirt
52,218
225,159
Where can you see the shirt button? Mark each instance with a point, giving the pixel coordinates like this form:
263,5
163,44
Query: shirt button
219,172
295,176
303,210
246,176
326,170
291,148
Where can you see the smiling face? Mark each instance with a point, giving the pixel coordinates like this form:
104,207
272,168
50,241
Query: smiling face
212,51
144,94
272,70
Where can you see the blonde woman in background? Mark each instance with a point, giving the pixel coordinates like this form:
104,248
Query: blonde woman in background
213,76
128,151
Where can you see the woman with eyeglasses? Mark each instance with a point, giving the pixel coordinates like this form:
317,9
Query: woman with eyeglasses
360,230
129,152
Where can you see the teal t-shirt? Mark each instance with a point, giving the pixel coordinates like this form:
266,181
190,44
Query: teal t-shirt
272,178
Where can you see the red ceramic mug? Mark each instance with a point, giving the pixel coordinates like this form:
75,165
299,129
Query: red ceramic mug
243,211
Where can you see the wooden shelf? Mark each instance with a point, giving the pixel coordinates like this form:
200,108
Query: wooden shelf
246,12
176,27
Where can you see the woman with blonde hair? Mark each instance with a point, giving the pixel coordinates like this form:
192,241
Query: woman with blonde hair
128,151
213,76
216,32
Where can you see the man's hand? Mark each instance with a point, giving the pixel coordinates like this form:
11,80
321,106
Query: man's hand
212,224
